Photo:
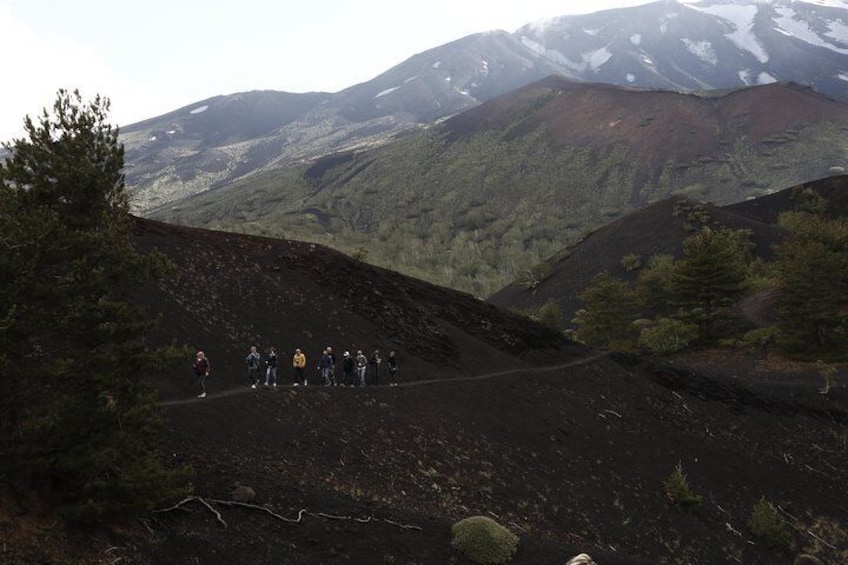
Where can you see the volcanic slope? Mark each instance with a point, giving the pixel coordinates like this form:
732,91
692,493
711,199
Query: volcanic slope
474,200
659,229
494,416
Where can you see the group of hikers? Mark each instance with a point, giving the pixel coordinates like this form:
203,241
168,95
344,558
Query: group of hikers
354,368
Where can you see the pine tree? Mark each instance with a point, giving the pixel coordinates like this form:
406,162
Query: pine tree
611,308
711,276
813,273
76,420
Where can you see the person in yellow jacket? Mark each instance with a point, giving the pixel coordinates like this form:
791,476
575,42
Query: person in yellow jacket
299,362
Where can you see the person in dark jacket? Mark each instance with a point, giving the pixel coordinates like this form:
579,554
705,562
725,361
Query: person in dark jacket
253,361
332,365
325,365
271,368
201,371
376,361
391,361
347,367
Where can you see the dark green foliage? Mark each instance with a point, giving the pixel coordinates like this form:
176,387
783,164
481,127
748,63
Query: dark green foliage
808,200
711,276
76,421
678,491
631,262
766,524
813,274
549,314
653,286
668,335
611,308
484,541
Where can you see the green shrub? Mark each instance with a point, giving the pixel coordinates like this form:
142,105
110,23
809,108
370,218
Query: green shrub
760,337
678,491
668,336
631,262
361,254
766,523
484,541
549,314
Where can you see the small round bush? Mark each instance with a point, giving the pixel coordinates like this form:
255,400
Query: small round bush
484,541
668,336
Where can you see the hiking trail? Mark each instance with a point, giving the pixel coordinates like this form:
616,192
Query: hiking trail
484,376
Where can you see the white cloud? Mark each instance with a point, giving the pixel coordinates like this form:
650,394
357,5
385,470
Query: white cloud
52,62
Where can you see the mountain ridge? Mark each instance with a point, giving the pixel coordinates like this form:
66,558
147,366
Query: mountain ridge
459,75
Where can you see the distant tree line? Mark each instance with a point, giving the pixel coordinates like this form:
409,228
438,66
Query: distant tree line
77,425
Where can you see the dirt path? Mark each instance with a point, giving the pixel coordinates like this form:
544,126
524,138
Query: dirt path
522,370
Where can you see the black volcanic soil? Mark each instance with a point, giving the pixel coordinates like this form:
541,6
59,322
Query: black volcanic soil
495,416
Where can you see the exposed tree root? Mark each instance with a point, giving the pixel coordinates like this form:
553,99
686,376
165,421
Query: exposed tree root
300,514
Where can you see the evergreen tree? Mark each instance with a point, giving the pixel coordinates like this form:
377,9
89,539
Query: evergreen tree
76,421
711,276
813,274
653,285
611,308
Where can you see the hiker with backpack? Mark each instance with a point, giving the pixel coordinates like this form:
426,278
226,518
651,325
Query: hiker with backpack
332,365
201,371
271,368
253,361
361,366
299,364
325,365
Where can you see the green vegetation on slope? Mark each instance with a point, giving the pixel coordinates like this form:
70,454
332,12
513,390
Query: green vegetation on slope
478,212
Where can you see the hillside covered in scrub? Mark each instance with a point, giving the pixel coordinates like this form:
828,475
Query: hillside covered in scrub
768,270
474,201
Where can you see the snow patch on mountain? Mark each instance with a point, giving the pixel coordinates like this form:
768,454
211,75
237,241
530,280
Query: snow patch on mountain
827,3
794,27
199,110
702,50
387,91
765,78
636,39
843,76
838,31
596,59
742,19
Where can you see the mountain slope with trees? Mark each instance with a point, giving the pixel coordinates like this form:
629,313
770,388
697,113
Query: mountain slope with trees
479,199
686,47
693,263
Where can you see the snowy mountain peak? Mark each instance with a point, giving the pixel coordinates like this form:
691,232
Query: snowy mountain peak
702,44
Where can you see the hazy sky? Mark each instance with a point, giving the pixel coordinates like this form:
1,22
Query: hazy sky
153,56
